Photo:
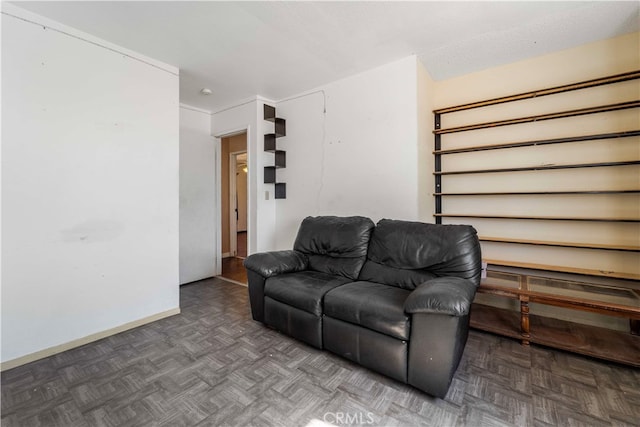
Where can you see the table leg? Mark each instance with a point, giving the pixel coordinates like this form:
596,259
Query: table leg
524,320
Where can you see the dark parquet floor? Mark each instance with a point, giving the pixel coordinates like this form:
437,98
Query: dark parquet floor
214,366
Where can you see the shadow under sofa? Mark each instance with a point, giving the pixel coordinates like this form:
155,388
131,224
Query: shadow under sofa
393,297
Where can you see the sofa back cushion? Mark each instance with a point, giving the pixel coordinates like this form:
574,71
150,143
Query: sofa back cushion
405,254
335,245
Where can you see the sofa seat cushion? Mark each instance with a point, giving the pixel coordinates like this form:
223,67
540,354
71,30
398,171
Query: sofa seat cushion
371,305
304,290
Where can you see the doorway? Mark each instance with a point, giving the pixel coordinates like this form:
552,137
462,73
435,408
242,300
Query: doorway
234,170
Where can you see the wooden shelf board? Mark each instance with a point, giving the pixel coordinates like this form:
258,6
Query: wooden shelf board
617,78
564,269
539,193
612,135
561,244
540,218
588,340
542,117
540,168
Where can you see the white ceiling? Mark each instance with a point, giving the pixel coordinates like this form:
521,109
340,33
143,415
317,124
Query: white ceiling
278,49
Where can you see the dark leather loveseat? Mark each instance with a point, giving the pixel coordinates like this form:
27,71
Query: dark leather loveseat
394,297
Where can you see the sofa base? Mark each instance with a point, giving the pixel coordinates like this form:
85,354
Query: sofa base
256,295
294,322
437,344
373,350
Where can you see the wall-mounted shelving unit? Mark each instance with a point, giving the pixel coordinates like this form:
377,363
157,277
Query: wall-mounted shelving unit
473,198
280,156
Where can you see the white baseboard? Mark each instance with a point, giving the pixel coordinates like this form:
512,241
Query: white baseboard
226,254
85,340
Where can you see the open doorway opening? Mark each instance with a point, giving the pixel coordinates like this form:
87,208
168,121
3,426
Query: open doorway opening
234,170
238,168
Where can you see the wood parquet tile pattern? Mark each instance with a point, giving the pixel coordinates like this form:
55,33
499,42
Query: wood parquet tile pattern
214,366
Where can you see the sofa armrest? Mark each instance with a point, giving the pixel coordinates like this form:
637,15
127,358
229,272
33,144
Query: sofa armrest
263,265
443,295
269,264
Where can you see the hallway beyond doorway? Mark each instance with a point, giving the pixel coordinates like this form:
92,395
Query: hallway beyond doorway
232,267
242,244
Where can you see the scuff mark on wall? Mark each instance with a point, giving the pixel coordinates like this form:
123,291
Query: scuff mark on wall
93,231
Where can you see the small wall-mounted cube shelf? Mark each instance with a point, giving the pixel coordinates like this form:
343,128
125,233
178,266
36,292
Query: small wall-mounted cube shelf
270,142
280,156
269,113
281,159
281,190
269,174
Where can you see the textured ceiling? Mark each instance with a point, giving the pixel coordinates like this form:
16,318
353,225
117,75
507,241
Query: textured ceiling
278,49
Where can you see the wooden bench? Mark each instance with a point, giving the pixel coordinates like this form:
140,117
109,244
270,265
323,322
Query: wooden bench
534,283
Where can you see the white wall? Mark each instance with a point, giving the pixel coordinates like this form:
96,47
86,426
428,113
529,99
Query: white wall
197,195
261,203
424,159
360,157
89,186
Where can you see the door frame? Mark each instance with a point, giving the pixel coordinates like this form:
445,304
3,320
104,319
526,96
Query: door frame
250,204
